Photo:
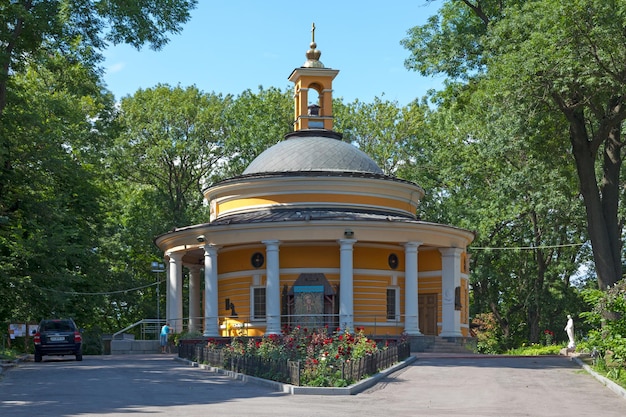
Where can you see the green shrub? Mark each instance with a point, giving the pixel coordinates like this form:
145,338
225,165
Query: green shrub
536,350
609,318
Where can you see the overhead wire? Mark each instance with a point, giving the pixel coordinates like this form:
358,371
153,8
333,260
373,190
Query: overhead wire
526,247
102,292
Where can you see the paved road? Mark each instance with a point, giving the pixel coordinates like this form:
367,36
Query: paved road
157,385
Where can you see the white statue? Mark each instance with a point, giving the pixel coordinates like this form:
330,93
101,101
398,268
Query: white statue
570,332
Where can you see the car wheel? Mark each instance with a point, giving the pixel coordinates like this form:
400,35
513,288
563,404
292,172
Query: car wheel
79,356
37,357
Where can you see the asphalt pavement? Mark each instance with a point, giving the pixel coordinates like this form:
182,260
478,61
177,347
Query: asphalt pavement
432,385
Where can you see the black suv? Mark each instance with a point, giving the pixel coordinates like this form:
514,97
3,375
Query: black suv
58,337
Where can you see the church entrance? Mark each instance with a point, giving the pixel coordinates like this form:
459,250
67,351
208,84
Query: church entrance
427,314
311,302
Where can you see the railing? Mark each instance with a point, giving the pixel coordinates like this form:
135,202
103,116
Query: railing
246,326
287,371
241,325
149,329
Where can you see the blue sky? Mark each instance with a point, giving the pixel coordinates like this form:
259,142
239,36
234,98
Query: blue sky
229,46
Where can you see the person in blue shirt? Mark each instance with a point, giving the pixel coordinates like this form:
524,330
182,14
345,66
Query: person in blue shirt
165,330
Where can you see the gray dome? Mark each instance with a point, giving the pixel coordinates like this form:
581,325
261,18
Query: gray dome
313,151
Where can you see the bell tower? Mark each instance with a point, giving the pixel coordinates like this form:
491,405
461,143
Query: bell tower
313,93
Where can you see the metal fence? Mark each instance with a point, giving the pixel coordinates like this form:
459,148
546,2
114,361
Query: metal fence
283,370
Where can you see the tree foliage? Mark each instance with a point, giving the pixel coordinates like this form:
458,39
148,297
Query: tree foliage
562,60
56,126
32,30
383,130
170,143
253,122
608,316
50,197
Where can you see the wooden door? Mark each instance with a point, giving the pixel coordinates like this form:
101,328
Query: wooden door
427,304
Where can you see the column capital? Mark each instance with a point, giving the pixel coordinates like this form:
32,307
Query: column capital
175,256
210,248
451,251
271,244
346,242
408,246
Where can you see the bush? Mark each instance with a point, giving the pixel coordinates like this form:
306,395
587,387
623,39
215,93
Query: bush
609,318
487,332
536,350
324,355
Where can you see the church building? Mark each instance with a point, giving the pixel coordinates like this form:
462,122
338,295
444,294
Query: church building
313,233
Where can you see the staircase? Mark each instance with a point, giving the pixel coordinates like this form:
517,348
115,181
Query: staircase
446,345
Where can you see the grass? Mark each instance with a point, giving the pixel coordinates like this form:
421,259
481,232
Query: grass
612,371
535,350
8,355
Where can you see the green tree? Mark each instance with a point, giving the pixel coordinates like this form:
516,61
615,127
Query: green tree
567,58
496,175
383,130
253,122
55,124
171,142
51,199
32,29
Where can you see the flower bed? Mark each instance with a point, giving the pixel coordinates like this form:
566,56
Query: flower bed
302,356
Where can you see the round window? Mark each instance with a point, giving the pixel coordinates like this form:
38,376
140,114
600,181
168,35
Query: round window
257,260
393,261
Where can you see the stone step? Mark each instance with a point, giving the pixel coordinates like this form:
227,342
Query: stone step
443,345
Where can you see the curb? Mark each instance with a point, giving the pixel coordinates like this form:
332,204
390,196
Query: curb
296,390
6,365
605,381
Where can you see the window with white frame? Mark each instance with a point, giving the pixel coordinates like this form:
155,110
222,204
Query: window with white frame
258,303
392,303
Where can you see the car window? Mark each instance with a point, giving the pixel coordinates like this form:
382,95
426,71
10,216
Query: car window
61,326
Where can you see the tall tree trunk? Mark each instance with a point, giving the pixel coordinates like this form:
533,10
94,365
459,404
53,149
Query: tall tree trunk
601,202
536,298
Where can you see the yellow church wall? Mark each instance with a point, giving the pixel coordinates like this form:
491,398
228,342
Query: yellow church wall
237,260
367,257
370,305
270,200
428,260
232,289
309,256
429,285
370,298
370,290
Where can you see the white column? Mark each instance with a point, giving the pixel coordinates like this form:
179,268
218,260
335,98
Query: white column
450,279
346,285
272,287
175,292
411,309
168,302
194,298
211,308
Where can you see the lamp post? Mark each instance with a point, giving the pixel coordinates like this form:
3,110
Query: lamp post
156,268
